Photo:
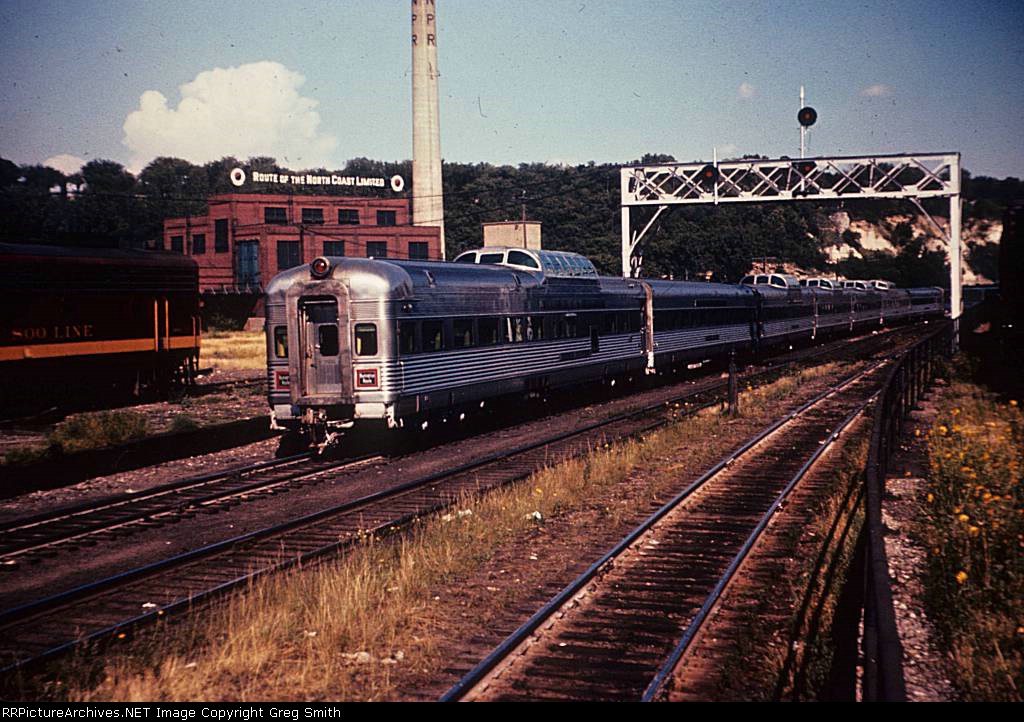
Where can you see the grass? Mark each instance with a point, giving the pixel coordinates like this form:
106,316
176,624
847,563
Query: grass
974,529
354,627
83,432
234,350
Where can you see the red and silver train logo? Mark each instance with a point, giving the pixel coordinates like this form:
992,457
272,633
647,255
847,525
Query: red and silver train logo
281,381
367,379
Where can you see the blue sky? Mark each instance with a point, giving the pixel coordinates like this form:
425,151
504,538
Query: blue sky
319,82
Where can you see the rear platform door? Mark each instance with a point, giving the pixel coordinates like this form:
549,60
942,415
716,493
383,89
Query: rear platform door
325,350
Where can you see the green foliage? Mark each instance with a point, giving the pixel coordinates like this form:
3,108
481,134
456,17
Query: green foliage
97,430
577,205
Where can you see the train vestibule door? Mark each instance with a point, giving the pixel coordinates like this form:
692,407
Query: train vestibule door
324,348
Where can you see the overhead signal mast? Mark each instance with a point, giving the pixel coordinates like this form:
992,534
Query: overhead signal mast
806,117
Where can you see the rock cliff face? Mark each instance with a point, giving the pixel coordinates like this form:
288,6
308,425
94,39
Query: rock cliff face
977,236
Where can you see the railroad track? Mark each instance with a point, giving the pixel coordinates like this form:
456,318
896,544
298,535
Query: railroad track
26,538
112,608
29,538
213,387
619,631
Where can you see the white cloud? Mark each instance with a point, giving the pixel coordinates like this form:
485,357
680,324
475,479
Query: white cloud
746,90
878,90
727,150
65,163
251,110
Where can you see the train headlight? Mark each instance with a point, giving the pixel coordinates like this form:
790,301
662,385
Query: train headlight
320,267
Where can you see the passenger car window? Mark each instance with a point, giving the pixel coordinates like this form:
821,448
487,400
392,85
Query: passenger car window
327,335
281,341
521,259
489,331
466,258
492,257
433,336
463,328
366,339
535,328
407,337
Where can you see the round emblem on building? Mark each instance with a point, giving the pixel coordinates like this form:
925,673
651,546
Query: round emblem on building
397,183
238,177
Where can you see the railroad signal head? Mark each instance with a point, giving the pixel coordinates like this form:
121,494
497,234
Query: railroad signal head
807,116
708,175
805,167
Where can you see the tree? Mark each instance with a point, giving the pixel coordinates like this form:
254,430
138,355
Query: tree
106,176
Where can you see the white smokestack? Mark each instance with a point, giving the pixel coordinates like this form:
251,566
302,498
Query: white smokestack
427,200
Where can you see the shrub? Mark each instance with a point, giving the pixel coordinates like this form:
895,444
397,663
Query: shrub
94,431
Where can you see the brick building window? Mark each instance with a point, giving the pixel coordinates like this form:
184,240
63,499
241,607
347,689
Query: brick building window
418,251
386,218
178,244
313,216
376,249
334,248
348,216
198,244
220,235
289,255
275,215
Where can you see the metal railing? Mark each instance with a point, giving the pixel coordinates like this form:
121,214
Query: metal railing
881,648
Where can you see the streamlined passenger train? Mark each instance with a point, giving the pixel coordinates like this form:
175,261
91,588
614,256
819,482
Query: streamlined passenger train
353,340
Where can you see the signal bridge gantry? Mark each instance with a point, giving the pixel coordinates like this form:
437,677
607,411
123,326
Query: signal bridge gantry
912,176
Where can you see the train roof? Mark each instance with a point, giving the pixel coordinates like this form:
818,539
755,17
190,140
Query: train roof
925,291
41,267
369,278
553,264
696,289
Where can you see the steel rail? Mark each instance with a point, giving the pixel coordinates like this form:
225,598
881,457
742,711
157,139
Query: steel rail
90,590
129,497
102,505
657,684
94,588
514,640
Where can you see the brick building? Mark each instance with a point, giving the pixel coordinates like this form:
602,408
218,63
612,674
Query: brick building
247,239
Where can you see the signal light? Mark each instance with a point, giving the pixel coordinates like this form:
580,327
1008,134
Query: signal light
807,116
708,175
805,167
320,267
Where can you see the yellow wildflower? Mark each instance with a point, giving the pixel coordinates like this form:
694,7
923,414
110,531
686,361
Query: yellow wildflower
964,517
973,530
961,577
